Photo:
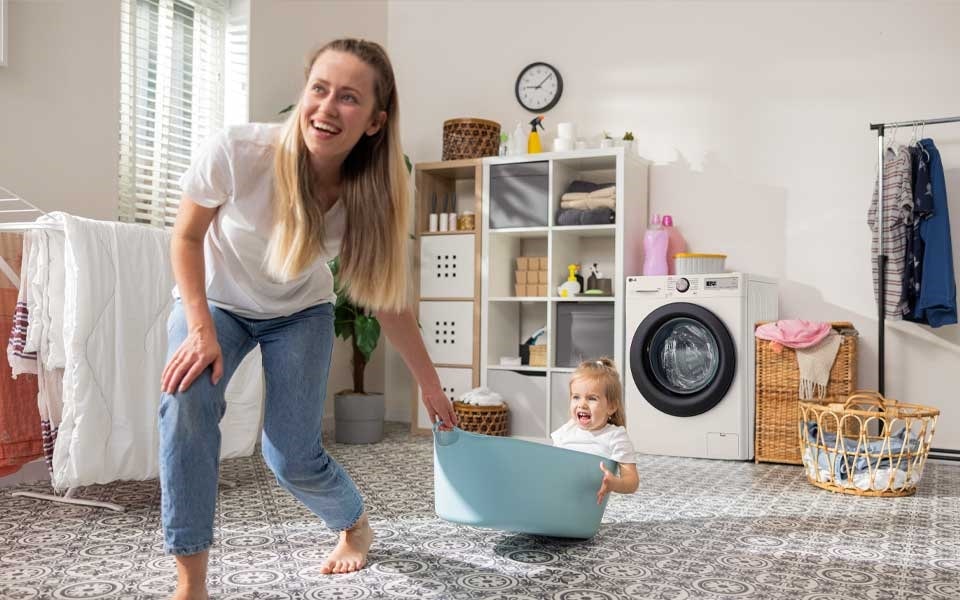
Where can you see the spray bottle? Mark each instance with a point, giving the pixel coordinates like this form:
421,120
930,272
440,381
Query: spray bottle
533,142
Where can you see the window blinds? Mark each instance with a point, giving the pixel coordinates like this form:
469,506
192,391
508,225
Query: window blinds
172,99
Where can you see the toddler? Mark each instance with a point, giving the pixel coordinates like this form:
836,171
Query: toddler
597,424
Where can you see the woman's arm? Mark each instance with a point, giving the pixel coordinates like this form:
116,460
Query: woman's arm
200,349
402,331
626,483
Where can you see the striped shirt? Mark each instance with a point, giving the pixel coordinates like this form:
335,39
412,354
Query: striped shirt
897,212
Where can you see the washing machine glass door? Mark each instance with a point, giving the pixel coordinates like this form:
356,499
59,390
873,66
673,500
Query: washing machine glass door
682,359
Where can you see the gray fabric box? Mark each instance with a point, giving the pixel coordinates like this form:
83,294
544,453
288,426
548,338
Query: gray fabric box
584,332
519,195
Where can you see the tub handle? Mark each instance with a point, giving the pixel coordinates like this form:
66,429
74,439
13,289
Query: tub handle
445,438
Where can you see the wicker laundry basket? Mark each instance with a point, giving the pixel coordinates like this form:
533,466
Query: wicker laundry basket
470,138
488,420
777,394
881,451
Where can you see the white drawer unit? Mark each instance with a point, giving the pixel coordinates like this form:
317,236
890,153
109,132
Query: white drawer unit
448,331
455,383
447,266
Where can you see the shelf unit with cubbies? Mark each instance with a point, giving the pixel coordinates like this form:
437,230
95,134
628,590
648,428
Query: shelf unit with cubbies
521,197
447,280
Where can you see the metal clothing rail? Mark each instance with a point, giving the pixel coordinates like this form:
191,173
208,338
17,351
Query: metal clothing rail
880,128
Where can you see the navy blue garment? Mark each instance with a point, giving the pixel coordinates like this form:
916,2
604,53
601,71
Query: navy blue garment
937,303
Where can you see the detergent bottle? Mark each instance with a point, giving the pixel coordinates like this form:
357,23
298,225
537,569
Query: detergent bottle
675,245
655,242
533,142
570,287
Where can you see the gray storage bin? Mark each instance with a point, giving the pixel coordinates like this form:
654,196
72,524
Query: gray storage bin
519,195
584,332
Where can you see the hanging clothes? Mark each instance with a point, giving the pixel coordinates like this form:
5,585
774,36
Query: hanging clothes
936,302
20,438
922,209
897,209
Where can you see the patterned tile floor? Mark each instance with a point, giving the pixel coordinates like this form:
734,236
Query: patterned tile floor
696,529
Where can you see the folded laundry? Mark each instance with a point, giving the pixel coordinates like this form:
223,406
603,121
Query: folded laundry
596,216
482,396
579,186
588,203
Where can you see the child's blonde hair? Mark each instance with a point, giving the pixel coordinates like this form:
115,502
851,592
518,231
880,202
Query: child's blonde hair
604,372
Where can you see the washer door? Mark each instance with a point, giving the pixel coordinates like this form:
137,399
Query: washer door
682,359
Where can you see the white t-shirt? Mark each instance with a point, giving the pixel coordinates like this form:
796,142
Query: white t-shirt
234,170
610,442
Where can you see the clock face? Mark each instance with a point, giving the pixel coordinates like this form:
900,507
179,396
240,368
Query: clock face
539,87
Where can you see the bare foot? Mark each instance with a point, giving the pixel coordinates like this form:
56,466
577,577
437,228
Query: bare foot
185,593
351,551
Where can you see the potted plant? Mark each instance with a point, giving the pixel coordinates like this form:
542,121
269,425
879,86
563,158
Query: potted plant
359,415
606,141
628,141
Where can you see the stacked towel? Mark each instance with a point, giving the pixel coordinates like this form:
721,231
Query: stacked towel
596,216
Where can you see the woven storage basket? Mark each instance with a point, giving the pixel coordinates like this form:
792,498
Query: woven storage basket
538,355
488,420
778,394
470,138
881,452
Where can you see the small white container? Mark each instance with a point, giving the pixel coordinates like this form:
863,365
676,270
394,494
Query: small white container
688,263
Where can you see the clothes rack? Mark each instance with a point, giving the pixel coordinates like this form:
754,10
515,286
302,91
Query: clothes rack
880,128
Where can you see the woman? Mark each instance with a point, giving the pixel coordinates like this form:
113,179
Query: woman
265,207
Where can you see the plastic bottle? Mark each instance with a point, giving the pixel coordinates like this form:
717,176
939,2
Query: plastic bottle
533,141
518,141
655,242
675,245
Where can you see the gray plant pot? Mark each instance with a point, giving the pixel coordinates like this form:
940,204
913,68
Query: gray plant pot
359,417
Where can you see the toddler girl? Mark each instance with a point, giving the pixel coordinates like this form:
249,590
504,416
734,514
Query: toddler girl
596,424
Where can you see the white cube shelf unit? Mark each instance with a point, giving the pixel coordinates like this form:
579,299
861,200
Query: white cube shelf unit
521,198
447,280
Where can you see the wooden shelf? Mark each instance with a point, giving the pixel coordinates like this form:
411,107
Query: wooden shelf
522,368
521,232
609,230
464,232
584,299
518,299
452,366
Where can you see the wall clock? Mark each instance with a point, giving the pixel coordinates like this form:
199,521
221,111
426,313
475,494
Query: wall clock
539,87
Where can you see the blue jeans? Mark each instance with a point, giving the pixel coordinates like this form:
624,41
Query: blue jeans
296,362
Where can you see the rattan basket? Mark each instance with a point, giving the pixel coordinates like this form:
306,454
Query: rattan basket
488,420
470,138
881,452
777,394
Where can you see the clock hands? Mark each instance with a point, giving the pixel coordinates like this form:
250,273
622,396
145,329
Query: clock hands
539,85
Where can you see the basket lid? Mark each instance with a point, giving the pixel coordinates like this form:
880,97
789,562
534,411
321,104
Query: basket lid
698,255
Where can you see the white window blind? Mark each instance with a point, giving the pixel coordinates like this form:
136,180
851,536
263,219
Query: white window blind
236,105
172,99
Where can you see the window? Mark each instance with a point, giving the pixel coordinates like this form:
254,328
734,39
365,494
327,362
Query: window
173,63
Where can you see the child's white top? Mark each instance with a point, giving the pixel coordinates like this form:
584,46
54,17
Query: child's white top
234,171
610,442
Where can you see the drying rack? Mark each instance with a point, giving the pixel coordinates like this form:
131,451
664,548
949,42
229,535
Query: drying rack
20,211
880,128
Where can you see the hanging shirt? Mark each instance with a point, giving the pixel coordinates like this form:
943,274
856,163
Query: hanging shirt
897,206
937,302
922,209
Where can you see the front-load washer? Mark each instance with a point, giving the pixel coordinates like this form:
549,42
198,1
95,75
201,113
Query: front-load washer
690,369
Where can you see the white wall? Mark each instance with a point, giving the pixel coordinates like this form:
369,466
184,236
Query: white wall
282,35
59,105
755,113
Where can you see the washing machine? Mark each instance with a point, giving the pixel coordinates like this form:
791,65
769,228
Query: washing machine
690,369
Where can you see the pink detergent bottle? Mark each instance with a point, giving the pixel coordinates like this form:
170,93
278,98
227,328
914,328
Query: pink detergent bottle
676,244
655,242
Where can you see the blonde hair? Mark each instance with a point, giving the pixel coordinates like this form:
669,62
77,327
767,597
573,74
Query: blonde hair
373,190
604,372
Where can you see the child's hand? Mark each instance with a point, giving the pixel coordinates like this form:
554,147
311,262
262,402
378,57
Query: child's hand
606,486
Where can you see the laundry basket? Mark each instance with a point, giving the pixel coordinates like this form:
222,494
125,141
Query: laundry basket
488,420
777,394
865,444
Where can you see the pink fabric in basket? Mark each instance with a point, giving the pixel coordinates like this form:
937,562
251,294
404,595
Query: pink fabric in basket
794,333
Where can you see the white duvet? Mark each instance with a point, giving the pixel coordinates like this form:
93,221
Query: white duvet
116,300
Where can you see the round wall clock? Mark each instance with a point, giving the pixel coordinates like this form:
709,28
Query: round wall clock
539,87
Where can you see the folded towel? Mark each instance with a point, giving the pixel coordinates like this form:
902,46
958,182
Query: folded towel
588,203
607,192
794,333
585,187
596,216
815,363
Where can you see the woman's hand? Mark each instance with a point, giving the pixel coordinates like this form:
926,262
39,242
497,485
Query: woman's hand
438,405
195,354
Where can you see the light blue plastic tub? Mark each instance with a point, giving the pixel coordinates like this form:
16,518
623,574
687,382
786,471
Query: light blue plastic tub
514,485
